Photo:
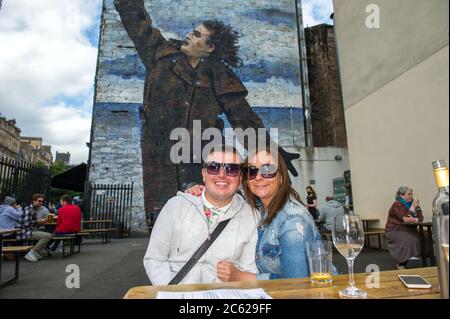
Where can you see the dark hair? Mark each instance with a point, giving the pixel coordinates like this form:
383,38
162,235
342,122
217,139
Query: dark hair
36,196
312,191
225,41
66,198
283,195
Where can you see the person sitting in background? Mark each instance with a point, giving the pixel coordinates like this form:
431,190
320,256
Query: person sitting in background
28,224
51,208
42,213
403,240
80,203
68,222
10,214
332,208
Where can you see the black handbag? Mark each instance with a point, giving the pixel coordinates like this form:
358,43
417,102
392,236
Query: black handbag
199,253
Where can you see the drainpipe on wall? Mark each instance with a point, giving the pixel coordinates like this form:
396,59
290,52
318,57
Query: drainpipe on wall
304,75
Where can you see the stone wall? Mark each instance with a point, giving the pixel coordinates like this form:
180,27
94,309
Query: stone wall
9,138
327,109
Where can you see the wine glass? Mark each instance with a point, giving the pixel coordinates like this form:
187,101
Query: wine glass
348,238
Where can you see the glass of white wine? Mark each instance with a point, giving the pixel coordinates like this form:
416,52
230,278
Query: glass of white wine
348,238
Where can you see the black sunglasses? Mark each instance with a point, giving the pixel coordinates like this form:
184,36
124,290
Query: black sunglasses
266,171
231,169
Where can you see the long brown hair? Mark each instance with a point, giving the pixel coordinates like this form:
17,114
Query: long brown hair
284,193
312,191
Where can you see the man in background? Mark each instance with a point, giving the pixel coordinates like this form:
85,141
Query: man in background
332,208
28,228
69,219
10,213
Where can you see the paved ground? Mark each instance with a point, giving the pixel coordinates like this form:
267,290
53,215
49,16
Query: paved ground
108,271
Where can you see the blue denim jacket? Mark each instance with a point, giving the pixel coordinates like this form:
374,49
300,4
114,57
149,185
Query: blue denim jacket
281,247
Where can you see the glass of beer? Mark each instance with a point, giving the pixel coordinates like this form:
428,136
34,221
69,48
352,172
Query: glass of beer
50,218
320,255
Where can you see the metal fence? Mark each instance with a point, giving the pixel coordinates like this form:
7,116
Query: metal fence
111,202
21,180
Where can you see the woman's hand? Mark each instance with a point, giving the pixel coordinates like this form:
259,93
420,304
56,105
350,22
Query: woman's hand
409,219
226,271
195,190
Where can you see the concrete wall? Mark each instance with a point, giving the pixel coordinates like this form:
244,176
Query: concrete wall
395,86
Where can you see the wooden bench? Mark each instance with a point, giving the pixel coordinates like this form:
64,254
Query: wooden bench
68,240
16,250
71,241
374,232
102,227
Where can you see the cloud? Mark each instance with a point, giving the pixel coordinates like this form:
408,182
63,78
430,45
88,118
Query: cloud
47,66
317,12
47,70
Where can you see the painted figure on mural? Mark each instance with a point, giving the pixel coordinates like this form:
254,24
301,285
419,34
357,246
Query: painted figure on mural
186,81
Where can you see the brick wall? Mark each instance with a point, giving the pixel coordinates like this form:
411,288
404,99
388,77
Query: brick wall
326,102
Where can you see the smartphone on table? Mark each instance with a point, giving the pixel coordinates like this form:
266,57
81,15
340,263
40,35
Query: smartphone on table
414,281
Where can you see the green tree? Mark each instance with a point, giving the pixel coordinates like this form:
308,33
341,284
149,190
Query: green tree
58,168
39,164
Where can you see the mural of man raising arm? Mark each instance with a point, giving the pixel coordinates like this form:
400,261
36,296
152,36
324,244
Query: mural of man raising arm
185,81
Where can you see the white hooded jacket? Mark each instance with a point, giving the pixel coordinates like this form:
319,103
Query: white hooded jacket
182,227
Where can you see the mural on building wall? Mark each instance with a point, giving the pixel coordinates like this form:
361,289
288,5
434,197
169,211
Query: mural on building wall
148,83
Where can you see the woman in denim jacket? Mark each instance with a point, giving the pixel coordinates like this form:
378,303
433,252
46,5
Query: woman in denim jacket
286,225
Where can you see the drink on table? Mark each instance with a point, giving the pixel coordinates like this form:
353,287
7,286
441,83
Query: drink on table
320,259
349,250
348,238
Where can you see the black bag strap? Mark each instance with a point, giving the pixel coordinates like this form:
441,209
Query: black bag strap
199,253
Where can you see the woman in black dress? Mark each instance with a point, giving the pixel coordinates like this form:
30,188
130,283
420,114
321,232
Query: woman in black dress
311,201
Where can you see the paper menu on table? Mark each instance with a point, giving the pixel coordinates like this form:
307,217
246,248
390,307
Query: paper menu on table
257,293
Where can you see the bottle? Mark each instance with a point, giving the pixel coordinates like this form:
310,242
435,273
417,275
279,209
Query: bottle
440,224
440,202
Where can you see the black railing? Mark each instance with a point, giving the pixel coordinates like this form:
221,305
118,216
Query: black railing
111,202
21,180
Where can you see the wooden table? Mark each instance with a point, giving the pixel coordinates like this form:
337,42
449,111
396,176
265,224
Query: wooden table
425,244
5,232
300,288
